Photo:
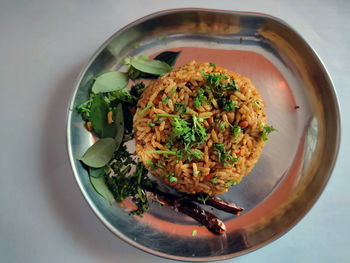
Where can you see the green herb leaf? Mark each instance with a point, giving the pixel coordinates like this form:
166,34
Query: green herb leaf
230,183
167,98
203,198
227,104
168,57
85,108
199,98
119,122
110,81
98,114
214,180
194,232
123,186
235,130
97,172
151,124
266,130
222,126
149,162
146,109
108,130
101,188
212,65
155,67
223,156
181,110
257,104
172,179
100,153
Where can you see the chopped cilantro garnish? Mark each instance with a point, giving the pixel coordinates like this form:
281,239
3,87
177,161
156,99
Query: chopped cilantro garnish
199,98
151,124
172,179
257,104
167,98
230,183
146,108
235,130
203,198
230,86
194,232
159,164
212,65
123,186
266,130
227,104
214,180
222,126
153,167
180,107
224,157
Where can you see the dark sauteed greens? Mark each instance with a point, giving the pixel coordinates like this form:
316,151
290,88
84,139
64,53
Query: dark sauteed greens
108,113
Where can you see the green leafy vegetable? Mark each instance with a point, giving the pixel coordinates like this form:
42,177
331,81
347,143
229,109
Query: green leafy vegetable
101,188
97,172
98,114
123,187
100,153
142,64
119,119
266,130
110,81
85,108
136,90
194,232
168,57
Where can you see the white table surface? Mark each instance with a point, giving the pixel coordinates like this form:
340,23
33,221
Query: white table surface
43,47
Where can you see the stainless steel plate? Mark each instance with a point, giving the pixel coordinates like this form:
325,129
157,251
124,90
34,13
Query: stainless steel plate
294,166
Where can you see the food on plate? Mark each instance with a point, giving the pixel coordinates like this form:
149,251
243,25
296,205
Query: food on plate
200,128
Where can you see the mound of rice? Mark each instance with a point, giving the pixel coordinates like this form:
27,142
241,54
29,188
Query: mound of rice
237,131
